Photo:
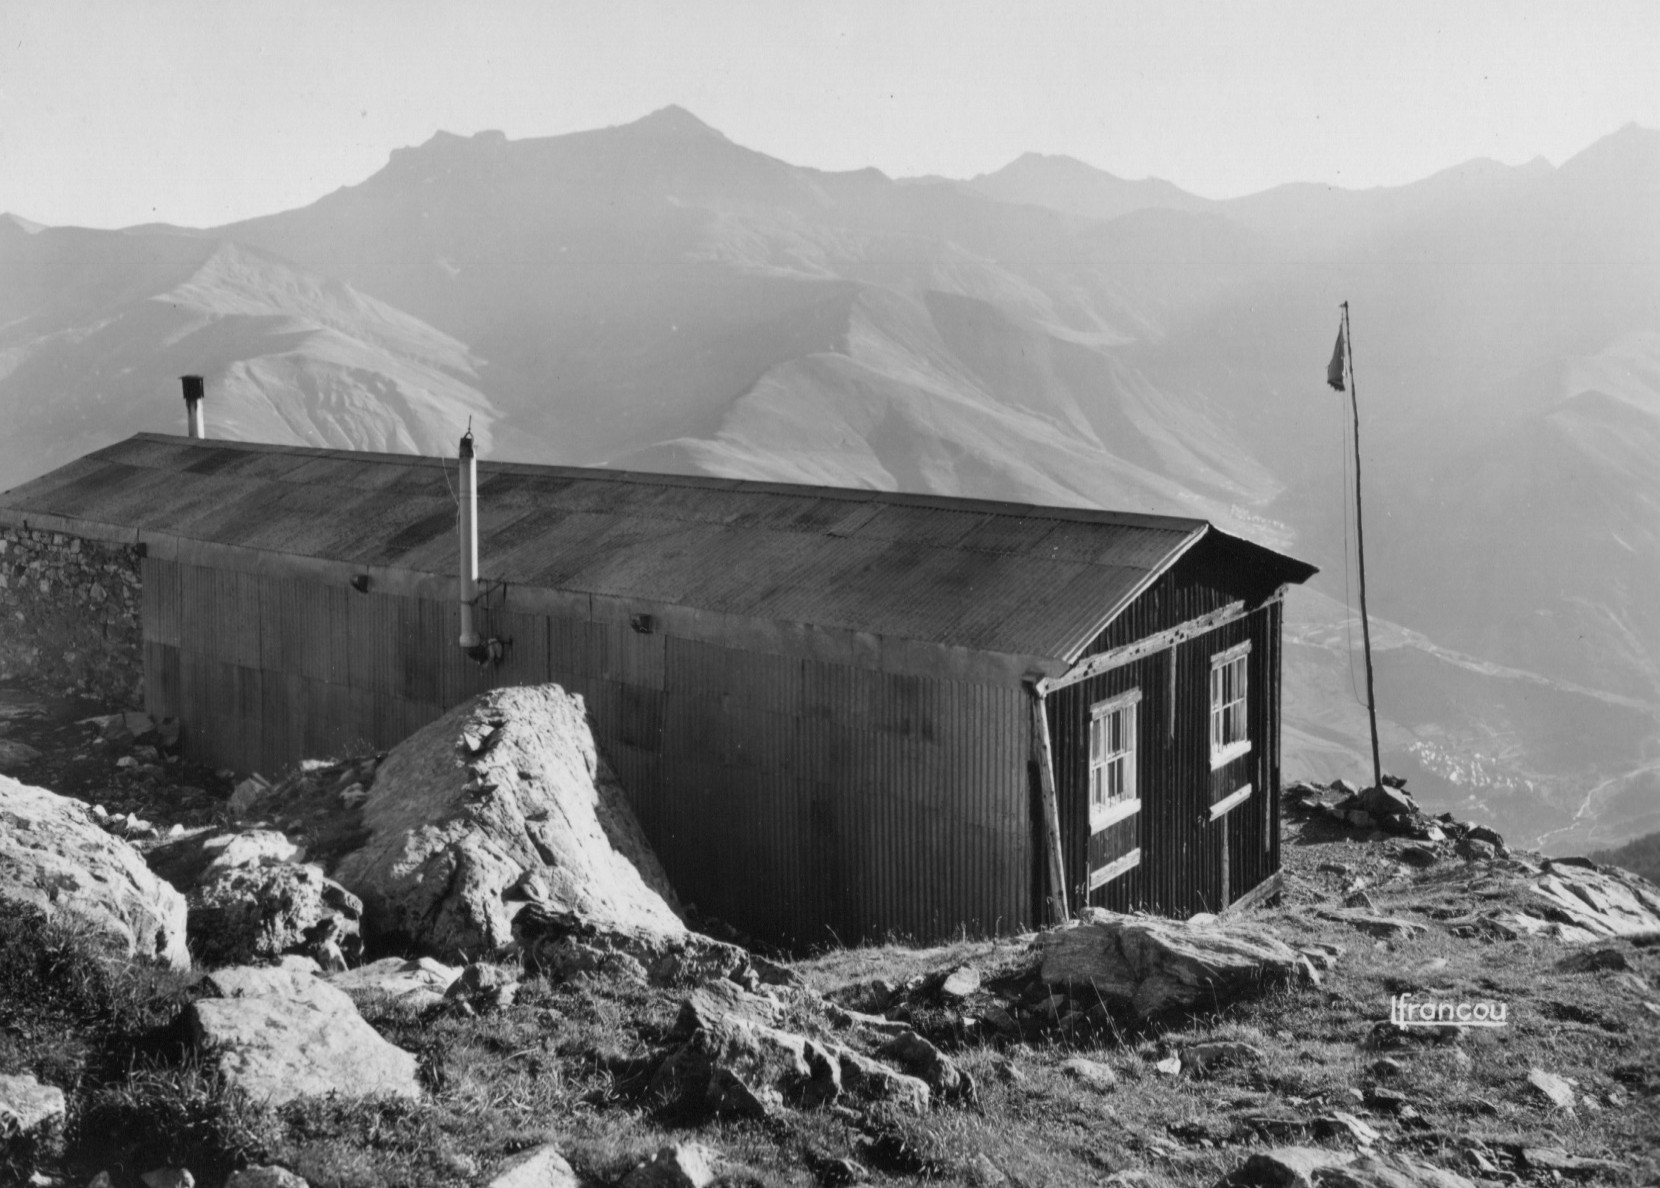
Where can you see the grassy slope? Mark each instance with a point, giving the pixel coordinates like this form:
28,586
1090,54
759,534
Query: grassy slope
557,1064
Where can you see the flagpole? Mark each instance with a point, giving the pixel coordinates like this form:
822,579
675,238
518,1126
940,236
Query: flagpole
1360,551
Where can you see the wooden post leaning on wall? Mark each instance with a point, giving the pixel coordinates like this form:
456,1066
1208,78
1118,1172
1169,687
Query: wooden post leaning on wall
1043,756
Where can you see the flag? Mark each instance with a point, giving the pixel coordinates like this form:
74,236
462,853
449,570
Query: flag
1334,369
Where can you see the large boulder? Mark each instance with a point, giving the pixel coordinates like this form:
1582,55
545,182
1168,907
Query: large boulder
54,856
281,1034
505,789
1153,965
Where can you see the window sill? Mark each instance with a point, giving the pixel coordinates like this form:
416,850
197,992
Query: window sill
1229,753
1100,819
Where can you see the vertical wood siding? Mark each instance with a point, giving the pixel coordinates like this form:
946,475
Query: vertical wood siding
802,801
1182,849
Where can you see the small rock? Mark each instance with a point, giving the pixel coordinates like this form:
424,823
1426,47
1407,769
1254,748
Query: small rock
1387,802
247,793
1336,868
168,1177
1557,1089
1343,1125
961,982
1091,1072
1200,1059
1170,1066
270,1176
1418,856
543,1167
102,1180
1386,1068
417,983
684,1165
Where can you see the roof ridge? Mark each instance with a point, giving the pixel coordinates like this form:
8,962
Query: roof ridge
962,503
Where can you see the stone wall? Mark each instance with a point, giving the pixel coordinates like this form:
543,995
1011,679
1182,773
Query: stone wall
69,615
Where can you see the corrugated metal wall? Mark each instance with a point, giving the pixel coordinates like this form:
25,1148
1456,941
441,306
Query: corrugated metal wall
800,800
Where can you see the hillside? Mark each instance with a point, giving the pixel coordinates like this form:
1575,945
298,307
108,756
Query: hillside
654,295
1243,1048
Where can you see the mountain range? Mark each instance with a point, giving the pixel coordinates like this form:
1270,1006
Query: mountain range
655,296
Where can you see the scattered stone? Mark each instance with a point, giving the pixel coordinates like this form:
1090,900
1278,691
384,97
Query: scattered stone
1335,868
1170,1066
1386,1068
1418,856
730,1064
1388,1100
542,1167
270,1176
56,858
484,987
927,1063
168,1177
452,832
1480,833
280,1035
1555,1159
417,984
1376,925
14,754
1200,1059
1341,1125
31,1115
684,1165
1286,1167
1555,1088
247,794
1091,1072
1386,802
1595,959
240,914
835,1171
1153,965
960,982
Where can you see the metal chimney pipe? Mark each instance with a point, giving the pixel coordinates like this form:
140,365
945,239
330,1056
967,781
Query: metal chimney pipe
468,572
193,405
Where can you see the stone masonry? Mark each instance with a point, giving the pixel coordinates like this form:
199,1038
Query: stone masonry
69,615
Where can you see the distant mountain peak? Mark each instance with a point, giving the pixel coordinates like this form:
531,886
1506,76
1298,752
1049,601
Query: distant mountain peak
27,226
674,120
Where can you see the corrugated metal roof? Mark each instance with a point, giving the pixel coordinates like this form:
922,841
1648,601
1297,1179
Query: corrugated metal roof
998,577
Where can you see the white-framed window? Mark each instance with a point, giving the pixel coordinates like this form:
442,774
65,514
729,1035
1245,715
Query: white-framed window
1112,774
1229,689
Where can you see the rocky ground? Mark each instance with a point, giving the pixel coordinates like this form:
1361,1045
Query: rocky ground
328,1035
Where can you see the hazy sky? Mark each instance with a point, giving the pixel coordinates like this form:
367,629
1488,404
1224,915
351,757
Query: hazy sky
205,111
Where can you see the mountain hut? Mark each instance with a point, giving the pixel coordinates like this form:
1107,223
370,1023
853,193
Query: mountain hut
838,713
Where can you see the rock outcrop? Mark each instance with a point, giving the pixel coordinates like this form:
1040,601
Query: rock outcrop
54,856
1152,965
280,1034
505,788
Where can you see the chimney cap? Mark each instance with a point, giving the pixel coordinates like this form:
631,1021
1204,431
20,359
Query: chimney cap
192,386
